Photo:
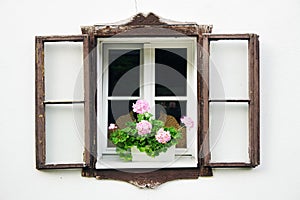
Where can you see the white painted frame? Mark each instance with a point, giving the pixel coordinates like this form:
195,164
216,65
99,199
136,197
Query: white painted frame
147,91
102,95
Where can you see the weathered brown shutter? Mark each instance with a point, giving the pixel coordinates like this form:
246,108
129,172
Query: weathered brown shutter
40,101
253,101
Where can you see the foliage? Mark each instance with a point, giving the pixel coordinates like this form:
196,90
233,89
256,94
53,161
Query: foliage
157,140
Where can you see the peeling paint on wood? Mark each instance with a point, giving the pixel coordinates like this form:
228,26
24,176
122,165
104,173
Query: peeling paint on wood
151,179
147,26
40,132
253,102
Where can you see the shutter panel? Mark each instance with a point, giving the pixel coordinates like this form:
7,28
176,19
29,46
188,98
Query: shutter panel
62,101
232,100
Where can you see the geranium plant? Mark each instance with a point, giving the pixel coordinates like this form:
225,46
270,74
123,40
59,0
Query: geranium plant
149,135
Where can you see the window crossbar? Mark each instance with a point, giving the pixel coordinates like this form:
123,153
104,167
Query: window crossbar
63,102
229,100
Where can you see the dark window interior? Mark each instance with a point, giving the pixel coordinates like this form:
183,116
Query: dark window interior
170,72
124,73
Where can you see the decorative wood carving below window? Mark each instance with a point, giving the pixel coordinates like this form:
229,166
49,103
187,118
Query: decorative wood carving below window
145,179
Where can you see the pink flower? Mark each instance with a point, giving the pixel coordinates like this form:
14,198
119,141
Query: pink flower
141,106
163,136
144,127
112,126
187,121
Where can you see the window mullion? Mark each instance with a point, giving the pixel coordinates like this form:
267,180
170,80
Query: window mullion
148,85
191,97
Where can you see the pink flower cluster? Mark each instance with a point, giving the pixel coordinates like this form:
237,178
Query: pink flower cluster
141,106
187,121
112,127
163,136
144,127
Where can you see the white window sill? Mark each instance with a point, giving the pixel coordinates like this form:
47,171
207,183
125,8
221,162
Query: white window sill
114,162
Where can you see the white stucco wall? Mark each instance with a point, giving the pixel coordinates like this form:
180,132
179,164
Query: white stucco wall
277,23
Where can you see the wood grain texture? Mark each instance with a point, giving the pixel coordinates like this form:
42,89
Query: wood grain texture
255,161
143,179
253,101
40,132
203,142
214,37
149,26
141,19
205,100
39,105
230,165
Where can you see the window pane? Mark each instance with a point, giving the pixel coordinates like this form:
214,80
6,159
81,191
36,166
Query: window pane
124,72
170,72
120,112
229,132
177,109
64,133
170,112
228,69
63,71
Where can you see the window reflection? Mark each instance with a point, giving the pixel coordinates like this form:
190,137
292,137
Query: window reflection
119,112
124,72
170,72
173,108
170,112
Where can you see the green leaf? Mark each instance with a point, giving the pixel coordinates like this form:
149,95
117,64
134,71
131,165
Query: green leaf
140,117
127,129
126,138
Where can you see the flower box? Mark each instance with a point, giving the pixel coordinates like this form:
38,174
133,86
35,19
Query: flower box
151,135
167,156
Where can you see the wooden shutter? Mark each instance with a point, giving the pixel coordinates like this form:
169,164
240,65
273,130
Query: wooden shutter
252,100
41,115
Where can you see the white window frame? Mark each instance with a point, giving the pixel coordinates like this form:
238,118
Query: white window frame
147,46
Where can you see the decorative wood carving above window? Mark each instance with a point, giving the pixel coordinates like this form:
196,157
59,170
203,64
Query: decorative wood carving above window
149,38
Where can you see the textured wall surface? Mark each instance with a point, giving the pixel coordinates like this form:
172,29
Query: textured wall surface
276,22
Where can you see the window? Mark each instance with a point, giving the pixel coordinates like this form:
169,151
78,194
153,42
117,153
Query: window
161,70
180,68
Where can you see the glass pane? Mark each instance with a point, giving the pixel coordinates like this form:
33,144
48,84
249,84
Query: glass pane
229,130
120,112
64,133
228,75
124,72
170,112
170,72
63,71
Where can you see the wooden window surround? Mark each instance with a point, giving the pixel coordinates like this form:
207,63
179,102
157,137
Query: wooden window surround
148,26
